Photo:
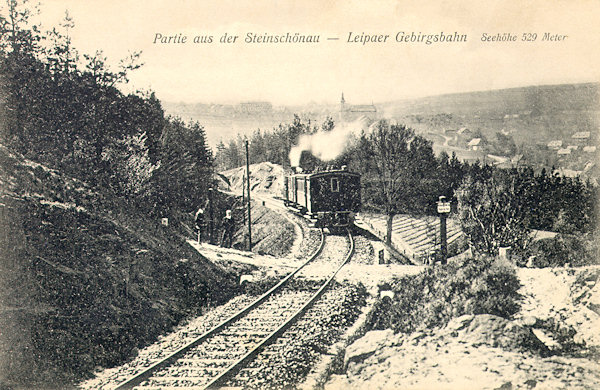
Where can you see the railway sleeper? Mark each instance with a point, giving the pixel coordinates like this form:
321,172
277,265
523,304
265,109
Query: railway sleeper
177,383
196,379
222,355
225,347
246,336
170,388
198,375
203,363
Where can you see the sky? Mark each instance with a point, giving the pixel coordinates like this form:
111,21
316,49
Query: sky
296,74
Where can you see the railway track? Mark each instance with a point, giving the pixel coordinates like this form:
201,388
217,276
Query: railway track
214,358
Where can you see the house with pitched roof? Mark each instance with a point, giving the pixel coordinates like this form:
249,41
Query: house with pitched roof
475,144
581,137
555,144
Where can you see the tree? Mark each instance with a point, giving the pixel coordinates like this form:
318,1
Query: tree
504,145
394,162
493,212
61,57
17,36
131,165
105,77
450,173
233,155
186,168
220,163
400,171
328,124
19,46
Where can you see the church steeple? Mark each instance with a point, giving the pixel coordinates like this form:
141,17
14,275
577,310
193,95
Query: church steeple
342,108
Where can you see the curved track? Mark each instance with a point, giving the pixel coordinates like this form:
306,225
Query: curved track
213,358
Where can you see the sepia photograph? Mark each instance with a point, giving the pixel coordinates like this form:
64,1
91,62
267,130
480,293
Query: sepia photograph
299,195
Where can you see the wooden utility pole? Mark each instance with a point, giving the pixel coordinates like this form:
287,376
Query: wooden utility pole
211,224
243,196
248,189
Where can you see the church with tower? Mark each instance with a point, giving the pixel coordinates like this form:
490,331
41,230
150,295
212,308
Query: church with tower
350,113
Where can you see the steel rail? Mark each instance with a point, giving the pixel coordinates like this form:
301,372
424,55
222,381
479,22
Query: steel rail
222,378
147,373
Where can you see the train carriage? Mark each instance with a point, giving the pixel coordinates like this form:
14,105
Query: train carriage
331,197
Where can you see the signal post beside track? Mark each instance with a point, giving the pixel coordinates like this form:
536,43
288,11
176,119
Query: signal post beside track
443,209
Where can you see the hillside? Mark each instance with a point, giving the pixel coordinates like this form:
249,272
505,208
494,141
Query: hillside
540,99
530,116
557,110
84,284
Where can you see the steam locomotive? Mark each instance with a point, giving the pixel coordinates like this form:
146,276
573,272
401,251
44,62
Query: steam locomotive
332,197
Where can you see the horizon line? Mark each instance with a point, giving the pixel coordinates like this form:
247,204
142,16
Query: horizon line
371,101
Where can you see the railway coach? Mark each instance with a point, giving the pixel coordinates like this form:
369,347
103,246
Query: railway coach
332,197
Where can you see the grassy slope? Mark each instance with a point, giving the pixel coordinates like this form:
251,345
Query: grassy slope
81,286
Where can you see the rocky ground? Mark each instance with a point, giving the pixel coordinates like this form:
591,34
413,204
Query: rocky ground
264,178
570,297
552,343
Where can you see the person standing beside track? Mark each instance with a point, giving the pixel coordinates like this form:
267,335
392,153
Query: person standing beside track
228,225
200,222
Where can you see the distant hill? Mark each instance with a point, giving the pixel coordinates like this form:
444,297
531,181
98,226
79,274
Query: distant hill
528,118
540,99
532,114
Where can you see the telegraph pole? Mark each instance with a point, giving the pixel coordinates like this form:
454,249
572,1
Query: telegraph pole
210,216
244,196
248,188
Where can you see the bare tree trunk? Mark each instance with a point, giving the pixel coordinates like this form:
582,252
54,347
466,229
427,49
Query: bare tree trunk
388,236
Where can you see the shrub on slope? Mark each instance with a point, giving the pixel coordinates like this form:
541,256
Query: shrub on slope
437,294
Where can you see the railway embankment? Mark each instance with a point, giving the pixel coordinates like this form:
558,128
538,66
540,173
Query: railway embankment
416,238
272,233
85,280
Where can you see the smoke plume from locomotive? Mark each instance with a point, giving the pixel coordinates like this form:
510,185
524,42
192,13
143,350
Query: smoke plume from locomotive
327,145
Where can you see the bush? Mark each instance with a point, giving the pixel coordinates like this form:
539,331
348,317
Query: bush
431,298
565,249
